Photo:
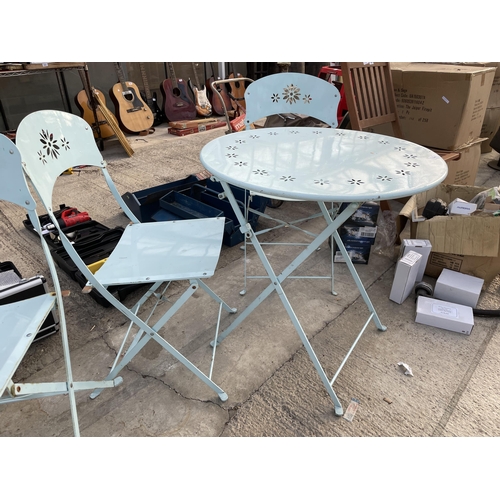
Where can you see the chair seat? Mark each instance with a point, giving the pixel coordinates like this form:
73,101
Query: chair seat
164,251
19,323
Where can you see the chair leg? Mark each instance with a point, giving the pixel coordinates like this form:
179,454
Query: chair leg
146,333
69,377
214,296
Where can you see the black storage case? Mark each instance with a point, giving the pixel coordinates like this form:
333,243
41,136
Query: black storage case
92,241
15,288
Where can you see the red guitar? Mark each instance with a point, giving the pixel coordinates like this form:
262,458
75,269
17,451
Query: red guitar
177,104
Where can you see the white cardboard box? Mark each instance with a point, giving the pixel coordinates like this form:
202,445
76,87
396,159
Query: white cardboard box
423,247
405,276
447,315
461,207
458,287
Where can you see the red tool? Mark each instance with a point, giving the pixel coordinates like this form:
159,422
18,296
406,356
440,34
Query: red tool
72,216
67,218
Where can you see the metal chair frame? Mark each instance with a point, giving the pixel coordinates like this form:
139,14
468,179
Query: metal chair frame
21,320
283,93
155,253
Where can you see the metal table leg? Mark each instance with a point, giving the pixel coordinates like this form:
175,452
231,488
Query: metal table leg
277,280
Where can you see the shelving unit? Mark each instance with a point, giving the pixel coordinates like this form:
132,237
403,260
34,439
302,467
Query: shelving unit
58,69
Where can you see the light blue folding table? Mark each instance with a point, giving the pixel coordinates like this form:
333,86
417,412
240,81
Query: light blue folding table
322,165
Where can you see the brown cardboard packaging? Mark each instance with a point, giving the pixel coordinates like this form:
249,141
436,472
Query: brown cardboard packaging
490,126
440,105
463,170
467,244
494,99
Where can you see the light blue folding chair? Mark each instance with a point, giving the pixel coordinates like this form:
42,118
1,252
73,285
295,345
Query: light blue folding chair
21,320
285,94
154,253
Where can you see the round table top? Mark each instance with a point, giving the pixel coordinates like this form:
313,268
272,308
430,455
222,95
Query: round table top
323,164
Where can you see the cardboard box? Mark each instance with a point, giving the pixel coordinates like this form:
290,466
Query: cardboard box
423,247
366,215
482,267
358,233
470,245
463,170
458,288
494,99
405,276
359,253
461,207
446,315
490,126
440,105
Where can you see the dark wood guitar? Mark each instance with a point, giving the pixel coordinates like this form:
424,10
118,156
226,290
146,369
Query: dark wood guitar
237,92
150,98
87,110
214,99
177,105
201,102
133,114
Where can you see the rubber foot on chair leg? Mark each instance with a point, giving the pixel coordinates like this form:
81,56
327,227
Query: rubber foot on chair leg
339,411
222,396
243,292
95,394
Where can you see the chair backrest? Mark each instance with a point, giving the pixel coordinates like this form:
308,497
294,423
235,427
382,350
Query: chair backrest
51,142
13,186
370,96
297,93
14,189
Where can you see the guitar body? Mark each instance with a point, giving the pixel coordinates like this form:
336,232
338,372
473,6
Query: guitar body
215,99
152,103
237,92
82,102
132,112
177,105
201,102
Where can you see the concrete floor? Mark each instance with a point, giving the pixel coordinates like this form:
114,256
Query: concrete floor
272,385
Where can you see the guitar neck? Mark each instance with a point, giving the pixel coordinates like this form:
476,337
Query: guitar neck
145,81
196,81
171,72
121,77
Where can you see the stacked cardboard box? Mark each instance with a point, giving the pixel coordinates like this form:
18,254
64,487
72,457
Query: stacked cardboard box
491,120
492,117
443,106
358,233
469,244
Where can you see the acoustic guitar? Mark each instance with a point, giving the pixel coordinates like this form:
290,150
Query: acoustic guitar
133,114
237,92
201,102
151,99
214,99
111,119
87,110
177,105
